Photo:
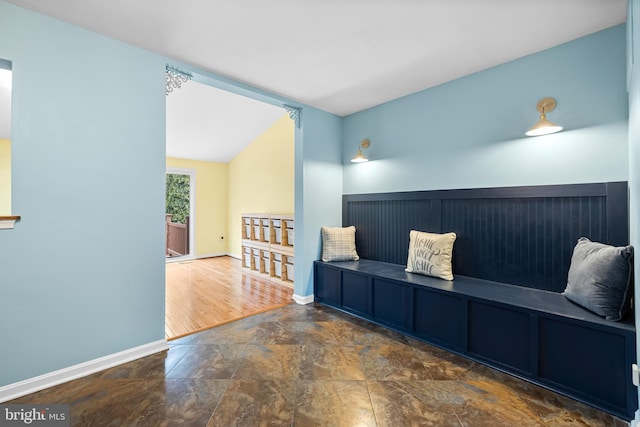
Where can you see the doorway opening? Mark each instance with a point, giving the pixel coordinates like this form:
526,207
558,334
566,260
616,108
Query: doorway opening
180,214
242,150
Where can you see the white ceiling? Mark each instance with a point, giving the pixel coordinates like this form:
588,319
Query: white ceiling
341,56
205,123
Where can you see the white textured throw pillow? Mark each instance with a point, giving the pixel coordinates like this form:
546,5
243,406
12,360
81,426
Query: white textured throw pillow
430,254
339,244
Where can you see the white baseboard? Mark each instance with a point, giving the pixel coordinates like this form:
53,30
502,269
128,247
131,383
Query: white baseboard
31,385
179,259
192,257
635,422
303,300
214,255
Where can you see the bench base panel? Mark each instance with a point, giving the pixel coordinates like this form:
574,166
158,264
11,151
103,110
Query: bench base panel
573,353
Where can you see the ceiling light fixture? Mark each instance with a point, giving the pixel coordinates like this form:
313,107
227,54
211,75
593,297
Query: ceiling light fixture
544,126
359,158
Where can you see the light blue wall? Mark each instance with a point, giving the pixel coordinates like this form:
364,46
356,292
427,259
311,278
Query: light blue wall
82,274
470,132
318,198
88,140
633,45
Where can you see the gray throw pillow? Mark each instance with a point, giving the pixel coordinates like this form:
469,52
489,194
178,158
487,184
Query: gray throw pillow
599,278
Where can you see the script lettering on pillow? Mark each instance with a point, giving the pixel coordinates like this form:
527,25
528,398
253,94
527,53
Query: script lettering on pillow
431,254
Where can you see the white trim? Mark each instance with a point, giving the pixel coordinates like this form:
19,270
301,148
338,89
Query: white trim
7,224
31,385
179,258
635,422
213,255
303,300
191,258
192,204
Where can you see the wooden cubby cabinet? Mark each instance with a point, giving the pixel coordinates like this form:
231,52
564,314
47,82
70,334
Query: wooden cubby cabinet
267,245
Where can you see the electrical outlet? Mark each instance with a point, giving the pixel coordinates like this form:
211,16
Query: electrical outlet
635,375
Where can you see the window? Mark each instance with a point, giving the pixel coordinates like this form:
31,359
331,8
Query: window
6,220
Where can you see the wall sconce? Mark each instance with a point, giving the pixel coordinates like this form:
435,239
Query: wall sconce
544,126
359,158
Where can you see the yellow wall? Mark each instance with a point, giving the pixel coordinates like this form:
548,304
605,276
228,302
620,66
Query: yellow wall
5,177
211,204
261,178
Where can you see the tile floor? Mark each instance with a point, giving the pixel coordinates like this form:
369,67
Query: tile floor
310,366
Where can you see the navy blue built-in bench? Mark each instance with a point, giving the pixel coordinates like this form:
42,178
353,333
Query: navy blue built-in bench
509,313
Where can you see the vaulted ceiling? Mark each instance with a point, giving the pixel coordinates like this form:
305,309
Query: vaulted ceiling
206,123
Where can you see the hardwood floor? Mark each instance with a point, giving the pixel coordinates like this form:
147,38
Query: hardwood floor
208,292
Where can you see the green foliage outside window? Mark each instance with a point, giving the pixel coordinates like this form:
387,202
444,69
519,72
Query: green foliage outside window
177,197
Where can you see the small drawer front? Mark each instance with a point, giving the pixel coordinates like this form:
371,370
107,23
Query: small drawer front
290,271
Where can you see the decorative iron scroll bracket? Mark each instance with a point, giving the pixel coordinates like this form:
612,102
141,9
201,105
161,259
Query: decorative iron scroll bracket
175,78
294,114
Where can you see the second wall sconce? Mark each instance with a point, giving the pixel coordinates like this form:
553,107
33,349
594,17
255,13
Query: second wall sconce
359,158
544,126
